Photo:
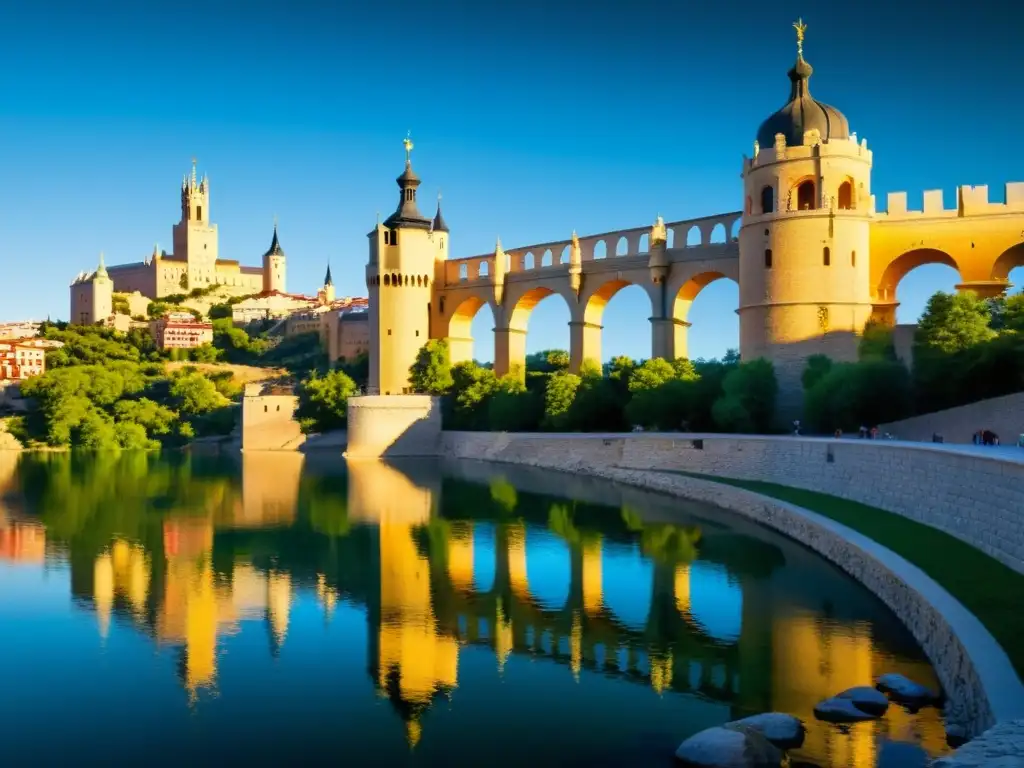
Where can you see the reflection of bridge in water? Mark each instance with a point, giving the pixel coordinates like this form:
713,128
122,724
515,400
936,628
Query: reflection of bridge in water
443,564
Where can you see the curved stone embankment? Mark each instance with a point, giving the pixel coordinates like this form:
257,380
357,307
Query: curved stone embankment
975,494
981,685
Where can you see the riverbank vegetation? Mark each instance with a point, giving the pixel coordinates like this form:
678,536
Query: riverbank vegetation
701,395
965,349
103,389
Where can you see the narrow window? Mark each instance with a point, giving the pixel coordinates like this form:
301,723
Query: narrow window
767,258
827,256
767,200
389,331
199,214
853,258
387,237
266,408
417,333
279,408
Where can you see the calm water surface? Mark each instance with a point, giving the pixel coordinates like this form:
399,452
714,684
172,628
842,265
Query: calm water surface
286,609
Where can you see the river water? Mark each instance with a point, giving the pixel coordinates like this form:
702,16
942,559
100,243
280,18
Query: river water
286,609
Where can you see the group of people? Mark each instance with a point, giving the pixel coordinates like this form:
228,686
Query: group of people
985,437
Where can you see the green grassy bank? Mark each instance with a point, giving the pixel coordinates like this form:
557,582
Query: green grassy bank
990,590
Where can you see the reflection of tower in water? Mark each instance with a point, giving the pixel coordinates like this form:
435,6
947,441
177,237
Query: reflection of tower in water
411,661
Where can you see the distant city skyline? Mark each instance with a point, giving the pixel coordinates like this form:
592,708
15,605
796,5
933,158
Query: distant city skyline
534,122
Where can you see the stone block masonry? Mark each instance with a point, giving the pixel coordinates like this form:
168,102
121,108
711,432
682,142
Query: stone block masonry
974,494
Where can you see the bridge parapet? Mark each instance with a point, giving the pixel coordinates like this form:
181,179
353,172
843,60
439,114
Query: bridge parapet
971,201
719,231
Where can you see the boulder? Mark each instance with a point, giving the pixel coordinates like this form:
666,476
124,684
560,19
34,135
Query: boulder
782,730
905,690
867,699
729,746
836,710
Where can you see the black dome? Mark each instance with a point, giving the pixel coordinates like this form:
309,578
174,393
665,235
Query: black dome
803,113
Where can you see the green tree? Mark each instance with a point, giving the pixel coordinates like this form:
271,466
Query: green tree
323,400
196,395
431,374
472,387
748,397
558,399
851,395
511,407
952,323
817,367
875,343
220,312
651,374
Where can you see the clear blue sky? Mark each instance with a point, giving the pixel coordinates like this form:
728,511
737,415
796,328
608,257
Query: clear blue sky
534,118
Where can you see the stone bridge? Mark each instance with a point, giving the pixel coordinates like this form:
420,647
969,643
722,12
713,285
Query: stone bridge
674,262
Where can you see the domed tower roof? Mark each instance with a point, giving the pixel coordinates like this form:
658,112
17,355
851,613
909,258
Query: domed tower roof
802,112
407,214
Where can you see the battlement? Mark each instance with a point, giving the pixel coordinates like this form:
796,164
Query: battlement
813,147
970,201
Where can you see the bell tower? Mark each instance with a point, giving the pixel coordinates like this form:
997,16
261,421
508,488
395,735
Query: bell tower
804,266
194,237
399,278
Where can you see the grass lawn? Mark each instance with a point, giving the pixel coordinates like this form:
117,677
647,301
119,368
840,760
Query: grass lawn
990,590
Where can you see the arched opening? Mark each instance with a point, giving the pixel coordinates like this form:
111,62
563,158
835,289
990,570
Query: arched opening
545,260
826,256
566,255
623,311
644,246
528,260
1008,261
767,258
471,332
911,279
387,280
622,247
670,239
544,315
767,200
600,249
734,232
716,601
718,234
805,197
844,200
484,270
708,303
463,271
694,237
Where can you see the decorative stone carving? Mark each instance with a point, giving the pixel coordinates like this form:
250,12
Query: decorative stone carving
823,319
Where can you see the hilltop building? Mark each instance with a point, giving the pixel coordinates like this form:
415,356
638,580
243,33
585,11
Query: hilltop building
180,330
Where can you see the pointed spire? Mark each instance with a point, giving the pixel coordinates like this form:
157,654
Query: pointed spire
193,171
275,245
439,224
327,278
101,270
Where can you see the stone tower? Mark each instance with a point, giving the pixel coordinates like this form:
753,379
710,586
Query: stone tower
195,238
92,297
404,252
804,282
327,292
274,265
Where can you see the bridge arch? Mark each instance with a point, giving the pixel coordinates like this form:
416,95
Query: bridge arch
681,293
1007,261
459,325
586,329
885,291
518,306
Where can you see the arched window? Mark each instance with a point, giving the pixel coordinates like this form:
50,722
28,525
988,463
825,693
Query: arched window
845,196
767,200
853,258
827,256
387,280
767,258
805,197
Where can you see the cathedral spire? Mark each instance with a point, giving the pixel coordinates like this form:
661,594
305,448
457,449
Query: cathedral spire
101,270
439,224
327,278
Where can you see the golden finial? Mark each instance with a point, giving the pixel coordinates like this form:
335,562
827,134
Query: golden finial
407,143
800,28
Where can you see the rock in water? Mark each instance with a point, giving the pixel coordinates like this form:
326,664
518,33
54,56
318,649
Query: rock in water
867,699
905,690
782,730
838,710
729,746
